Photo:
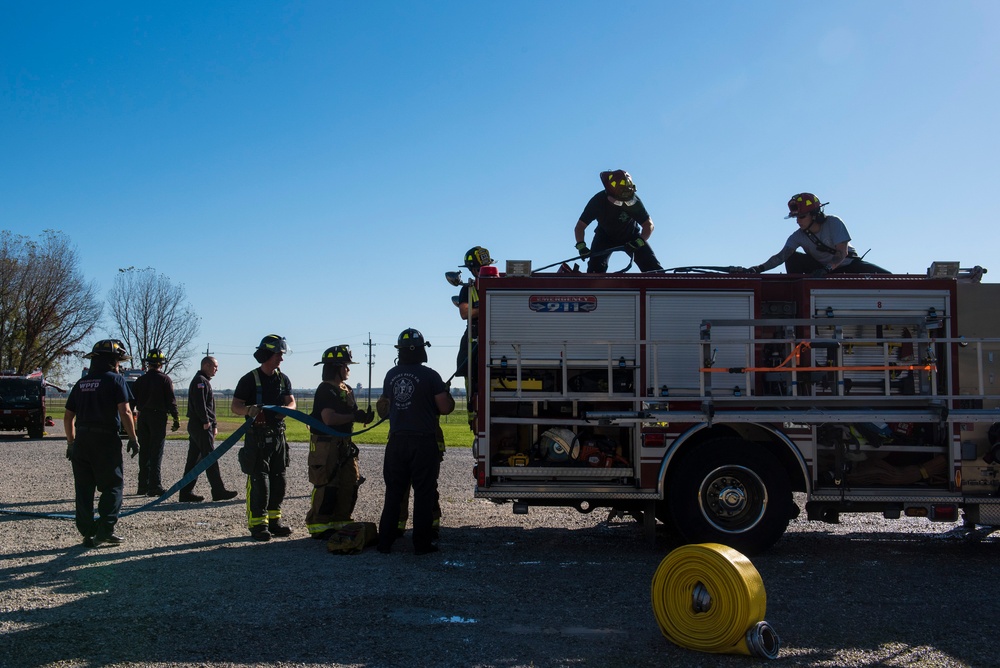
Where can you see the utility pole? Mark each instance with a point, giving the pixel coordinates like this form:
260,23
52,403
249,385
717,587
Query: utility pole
371,363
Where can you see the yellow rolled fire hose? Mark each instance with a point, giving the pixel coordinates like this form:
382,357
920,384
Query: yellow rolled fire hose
710,598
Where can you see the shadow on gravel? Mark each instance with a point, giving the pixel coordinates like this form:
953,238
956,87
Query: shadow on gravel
900,598
531,596
494,596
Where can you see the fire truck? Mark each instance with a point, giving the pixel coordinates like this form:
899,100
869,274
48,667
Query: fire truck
704,400
22,402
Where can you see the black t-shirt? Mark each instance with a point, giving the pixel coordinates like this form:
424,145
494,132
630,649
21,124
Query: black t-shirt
274,389
95,399
411,389
339,400
619,222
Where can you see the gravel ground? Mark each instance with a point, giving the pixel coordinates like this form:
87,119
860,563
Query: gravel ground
552,588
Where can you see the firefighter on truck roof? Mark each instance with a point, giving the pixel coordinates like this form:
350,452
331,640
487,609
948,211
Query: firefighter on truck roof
824,239
622,220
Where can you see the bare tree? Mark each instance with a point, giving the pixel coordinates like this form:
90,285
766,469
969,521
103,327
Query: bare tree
151,312
46,308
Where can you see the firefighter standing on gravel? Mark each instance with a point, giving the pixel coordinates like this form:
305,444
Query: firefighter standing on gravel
333,459
265,456
154,398
414,397
824,239
404,505
622,220
97,407
202,429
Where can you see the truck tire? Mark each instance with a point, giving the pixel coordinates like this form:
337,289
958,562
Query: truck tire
731,492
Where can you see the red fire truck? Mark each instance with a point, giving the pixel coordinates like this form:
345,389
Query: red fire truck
22,402
704,400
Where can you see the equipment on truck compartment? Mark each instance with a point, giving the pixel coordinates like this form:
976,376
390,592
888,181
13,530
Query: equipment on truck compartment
703,400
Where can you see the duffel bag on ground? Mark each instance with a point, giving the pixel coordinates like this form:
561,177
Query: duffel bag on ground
353,538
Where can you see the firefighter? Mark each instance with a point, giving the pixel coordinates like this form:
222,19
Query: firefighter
404,505
824,239
265,455
415,395
154,399
202,429
97,407
333,460
476,258
622,220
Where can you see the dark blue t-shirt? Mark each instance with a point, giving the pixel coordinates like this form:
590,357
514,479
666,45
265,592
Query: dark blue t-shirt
411,389
95,399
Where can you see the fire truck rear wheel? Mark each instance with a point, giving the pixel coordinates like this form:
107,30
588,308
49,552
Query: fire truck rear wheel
729,491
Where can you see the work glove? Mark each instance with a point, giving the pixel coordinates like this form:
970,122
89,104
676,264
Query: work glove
582,248
364,416
819,273
253,411
69,451
176,425
132,448
635,244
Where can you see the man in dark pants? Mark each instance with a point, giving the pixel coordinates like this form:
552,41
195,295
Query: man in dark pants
154,398
202,428
414,397
265,454
96,408
622,220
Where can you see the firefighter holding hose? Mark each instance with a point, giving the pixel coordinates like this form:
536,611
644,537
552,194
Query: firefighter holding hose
824,239
622,220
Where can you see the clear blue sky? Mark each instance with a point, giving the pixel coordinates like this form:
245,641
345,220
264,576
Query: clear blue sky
313,168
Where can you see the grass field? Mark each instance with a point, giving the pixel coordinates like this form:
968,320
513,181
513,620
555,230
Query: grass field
455,426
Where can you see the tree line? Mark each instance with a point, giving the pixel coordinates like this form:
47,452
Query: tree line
50,314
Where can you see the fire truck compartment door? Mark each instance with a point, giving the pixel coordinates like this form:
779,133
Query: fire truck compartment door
581,324
673,321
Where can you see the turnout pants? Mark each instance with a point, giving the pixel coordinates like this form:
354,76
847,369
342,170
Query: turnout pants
404,510
97,465
410,459
151,428
644,258
201,443
266,457
336,476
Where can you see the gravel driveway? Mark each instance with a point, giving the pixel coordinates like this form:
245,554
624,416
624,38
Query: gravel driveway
552,588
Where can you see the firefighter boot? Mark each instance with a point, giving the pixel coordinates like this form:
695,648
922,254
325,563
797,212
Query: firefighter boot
277,528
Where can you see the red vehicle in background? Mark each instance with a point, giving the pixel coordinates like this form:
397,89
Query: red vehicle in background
22,402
